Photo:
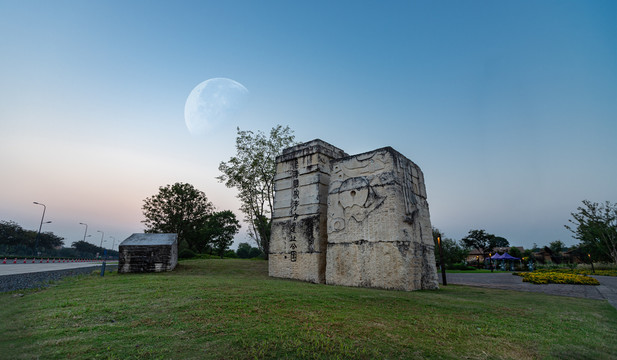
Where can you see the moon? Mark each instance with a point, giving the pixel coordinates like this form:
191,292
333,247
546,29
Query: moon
213,102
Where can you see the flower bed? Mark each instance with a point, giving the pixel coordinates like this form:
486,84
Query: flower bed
556,277
580,271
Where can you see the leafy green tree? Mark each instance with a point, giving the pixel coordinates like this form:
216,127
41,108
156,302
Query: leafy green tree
452,252
481,241
252,172
255,252
219,230
49,241
516,252
179,208
557,247
244,250
15,240
501,242
11,234
86,249
595,226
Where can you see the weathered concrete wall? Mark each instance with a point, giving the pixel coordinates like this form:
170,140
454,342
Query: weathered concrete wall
147,258
379,230
299,232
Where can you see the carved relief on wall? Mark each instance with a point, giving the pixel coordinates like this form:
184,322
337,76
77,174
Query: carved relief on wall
355,189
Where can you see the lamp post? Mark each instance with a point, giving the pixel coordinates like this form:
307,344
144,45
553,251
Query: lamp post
443,266
85,232
102,235
490,261
36,243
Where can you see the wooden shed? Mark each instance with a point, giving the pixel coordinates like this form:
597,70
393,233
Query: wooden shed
148,253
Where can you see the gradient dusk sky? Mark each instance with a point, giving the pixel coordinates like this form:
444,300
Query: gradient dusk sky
509,107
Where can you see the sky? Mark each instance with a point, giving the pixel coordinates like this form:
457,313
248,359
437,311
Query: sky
508,107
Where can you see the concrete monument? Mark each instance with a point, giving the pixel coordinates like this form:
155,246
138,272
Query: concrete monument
360,220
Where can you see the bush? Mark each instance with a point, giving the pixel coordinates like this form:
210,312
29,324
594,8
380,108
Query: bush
230,254
556,277
186,254
460,266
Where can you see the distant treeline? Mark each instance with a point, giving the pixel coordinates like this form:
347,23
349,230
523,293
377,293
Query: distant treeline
16,241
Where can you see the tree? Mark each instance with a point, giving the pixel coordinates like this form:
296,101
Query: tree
219,230
243,250
516,252
252,172
480,240
557,247
501,242
179,208
246,251
452,252
15,240
595,226
85,249
49,241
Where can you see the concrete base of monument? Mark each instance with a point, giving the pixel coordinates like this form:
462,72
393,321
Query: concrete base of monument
305,266
379,265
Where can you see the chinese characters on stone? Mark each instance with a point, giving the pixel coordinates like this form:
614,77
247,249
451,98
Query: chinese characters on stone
295,201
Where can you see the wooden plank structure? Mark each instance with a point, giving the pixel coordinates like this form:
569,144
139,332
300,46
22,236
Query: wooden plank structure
148,253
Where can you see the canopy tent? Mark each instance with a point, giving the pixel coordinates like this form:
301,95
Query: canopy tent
497,256
507,256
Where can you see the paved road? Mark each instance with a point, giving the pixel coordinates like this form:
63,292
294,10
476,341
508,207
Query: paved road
607,290
21,268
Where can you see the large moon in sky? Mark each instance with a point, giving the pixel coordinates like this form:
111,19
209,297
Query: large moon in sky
213,102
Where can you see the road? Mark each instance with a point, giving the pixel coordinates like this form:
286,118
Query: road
607,290
20,268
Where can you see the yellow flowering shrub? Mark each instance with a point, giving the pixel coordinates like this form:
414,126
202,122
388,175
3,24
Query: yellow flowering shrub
556,277
581,271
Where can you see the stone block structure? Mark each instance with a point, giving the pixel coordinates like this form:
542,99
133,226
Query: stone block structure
299,230
360,220
148,253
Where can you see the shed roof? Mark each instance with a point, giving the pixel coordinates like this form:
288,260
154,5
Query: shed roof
141,239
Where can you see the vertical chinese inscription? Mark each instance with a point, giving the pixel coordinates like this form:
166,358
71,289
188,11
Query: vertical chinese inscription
295,202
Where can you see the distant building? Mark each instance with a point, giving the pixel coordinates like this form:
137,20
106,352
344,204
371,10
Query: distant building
148,253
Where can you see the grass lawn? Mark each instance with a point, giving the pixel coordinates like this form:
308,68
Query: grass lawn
228,309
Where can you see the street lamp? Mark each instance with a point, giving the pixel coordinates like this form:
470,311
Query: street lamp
490,261
443,265
36,243
85,232
102,235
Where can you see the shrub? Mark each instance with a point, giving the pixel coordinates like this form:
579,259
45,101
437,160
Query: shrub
186,254
230,254
556,277
461,266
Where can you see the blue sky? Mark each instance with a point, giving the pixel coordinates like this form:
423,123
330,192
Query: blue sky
509,107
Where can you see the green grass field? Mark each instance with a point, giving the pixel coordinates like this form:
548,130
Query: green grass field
231,309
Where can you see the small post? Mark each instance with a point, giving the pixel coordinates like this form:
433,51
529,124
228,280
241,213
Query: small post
443,266
490,261
593,271
103,265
